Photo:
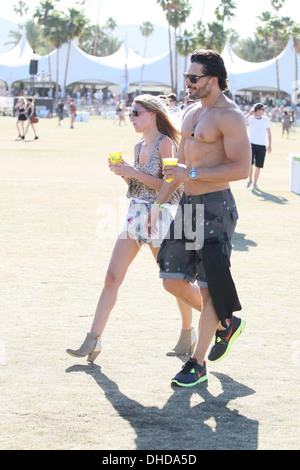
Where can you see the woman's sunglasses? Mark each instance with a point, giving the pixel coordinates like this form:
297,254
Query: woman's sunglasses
193,78
135,113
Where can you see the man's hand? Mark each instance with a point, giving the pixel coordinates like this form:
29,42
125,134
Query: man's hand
179,173
152,220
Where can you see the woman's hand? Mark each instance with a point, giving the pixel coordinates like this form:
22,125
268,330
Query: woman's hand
121,169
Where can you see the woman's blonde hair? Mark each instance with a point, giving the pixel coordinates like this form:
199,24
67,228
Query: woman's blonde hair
154,104
21,98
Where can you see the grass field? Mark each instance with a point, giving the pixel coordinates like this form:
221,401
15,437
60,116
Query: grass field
60,213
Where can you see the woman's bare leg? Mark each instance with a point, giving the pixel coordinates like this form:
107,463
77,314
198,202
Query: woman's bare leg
124,252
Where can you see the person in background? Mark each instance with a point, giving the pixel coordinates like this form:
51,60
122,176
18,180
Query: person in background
286,124
292,115
72,112
259,127
60,111
32,117
21,110
172,100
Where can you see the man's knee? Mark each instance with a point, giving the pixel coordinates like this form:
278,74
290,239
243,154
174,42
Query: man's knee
173,286
205,294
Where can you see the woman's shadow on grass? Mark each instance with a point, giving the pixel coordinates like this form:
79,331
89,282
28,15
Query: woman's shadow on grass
269,197
211,424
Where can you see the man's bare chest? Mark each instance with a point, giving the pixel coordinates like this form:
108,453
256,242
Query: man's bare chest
202,128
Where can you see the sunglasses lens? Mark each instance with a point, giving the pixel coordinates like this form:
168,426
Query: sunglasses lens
192,78
134,113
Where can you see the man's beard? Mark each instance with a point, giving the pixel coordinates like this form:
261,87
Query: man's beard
198,94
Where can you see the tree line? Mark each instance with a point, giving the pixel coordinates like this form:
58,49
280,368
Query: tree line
50,28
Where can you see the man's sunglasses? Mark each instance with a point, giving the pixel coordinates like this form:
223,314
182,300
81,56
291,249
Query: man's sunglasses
193,78
135,113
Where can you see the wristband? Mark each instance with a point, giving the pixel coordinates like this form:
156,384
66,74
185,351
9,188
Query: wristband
158,204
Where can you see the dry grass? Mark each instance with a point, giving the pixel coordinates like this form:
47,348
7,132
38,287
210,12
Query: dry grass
60,208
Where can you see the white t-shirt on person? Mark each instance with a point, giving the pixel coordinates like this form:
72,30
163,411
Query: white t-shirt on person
258,128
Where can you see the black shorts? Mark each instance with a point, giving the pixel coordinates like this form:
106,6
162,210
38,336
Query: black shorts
258,155
206,218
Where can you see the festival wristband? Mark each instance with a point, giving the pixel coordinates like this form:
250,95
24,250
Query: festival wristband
158,204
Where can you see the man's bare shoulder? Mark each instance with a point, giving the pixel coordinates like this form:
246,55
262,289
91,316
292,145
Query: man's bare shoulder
230,114
191,108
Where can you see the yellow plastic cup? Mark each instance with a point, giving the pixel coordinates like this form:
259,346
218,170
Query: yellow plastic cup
115,157
170,161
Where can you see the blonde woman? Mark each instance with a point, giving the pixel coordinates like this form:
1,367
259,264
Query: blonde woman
21,110
149,117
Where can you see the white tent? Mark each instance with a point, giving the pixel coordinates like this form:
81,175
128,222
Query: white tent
244,75
123,68
14,64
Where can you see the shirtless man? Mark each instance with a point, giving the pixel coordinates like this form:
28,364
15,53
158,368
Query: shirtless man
214,151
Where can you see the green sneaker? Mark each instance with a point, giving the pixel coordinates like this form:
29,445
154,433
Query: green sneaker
225,338
191,374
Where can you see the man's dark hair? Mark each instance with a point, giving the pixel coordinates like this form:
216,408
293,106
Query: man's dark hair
172,97
213,65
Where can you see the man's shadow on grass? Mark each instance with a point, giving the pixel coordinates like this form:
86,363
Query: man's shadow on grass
210,424
240,242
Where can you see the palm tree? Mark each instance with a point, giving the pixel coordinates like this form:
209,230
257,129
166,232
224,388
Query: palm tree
199,31
106,44
263,31
57,31
224,11
76,22
295,32
97,28
146,29
42,14
167,5
277,4
251,49
186,44
216,36
275,28
111,24
33,35
21,8
178,16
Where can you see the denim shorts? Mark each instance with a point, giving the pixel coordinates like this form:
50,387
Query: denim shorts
199,220
135,224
